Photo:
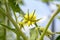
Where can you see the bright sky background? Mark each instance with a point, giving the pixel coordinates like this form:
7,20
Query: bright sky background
42,10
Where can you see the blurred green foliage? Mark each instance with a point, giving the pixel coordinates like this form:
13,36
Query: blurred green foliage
14,6
58,38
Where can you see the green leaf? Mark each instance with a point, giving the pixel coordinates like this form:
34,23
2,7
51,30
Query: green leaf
58,38
33,34
12,4
20,1
15,7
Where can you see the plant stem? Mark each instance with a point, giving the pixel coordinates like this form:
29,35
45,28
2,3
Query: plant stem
15,16
8,27
5,28
38,29
14,23
49,22
18,37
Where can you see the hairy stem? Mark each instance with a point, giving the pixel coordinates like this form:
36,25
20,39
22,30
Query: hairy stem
49,22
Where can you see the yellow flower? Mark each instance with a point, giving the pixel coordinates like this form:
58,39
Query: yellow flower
30,19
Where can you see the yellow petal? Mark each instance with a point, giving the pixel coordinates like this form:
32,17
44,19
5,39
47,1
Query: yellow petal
31,16
33,22
26,16
34,17
30,19
29,23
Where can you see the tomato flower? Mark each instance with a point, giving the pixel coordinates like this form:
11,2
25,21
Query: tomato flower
30,19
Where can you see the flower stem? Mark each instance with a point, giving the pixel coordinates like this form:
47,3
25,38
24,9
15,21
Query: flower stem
49,22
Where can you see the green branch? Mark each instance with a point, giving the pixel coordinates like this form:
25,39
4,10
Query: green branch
49,22
13,21
15,16
5,26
